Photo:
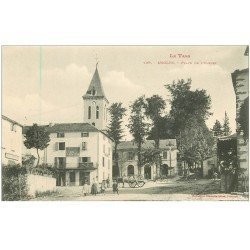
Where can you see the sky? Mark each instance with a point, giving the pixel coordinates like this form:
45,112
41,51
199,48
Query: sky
43,84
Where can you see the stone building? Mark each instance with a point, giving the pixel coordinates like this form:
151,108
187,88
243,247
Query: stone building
11,141
240,79
127,158
82,151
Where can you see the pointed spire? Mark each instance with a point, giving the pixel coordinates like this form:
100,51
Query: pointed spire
95,87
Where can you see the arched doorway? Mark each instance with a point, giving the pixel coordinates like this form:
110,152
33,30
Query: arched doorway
147,172
164,170
131,170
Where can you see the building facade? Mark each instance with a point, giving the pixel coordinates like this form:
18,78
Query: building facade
240,79
82,151
11,141
128,160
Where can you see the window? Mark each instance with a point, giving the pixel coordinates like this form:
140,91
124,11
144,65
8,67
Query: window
93,91
89,112
108,151
85,159
104,148
84,145
61,161
60,135
131,156
61,145
97,112
85,134
165,154
103,161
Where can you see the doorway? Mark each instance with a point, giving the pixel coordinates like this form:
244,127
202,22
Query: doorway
131,170
61,179
147,172
72,178
164,170
83,178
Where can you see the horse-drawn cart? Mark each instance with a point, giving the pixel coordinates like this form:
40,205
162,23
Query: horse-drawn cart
132,181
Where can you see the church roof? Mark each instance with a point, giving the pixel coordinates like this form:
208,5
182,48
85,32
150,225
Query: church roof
95,88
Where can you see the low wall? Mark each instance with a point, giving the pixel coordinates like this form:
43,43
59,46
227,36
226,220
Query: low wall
39,183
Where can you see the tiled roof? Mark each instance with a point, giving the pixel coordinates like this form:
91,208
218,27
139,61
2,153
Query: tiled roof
228,137
96,86
67,127
10,120
164,144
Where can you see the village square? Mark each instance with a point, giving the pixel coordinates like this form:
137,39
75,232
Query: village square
157,148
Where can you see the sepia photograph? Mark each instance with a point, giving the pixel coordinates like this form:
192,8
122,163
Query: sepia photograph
125,123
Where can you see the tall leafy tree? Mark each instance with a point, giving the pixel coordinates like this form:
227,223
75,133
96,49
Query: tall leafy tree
154,109
37,137
186,104
115,130
138,126
197,142
226,126
244,118
217,129
189,111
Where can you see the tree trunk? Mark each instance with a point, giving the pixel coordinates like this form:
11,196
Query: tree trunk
157,145
201,168
38,157
117,170
139,158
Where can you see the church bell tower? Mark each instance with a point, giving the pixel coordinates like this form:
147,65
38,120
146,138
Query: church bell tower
95,103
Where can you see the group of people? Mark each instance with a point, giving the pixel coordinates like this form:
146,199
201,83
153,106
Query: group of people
97,188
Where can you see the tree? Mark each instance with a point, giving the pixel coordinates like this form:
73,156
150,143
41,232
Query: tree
217,129
243,119
226,127
154,108
189,111
37,137
197,142
138,127
115,130
186,103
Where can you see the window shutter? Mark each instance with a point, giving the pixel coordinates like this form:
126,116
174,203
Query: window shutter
55,161
56,146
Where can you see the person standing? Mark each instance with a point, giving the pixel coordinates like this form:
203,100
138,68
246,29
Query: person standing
85,189
103,187
108,182
94,187
115,187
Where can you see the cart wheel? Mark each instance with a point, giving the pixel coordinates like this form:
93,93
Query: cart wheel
141,183
132,184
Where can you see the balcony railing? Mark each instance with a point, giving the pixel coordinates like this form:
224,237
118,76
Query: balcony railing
69,165
86,165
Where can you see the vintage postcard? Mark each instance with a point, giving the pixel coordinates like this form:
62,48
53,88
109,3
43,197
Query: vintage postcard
161,123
